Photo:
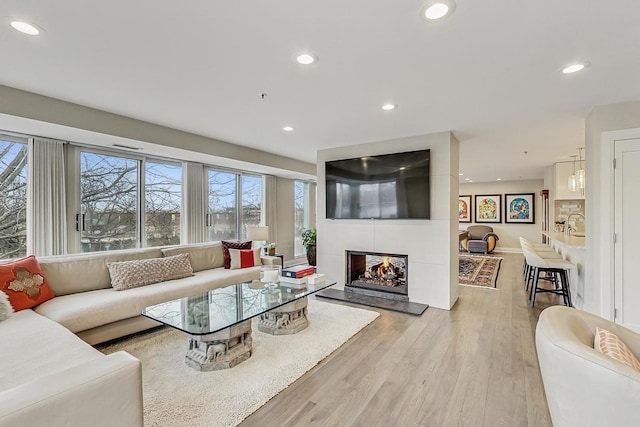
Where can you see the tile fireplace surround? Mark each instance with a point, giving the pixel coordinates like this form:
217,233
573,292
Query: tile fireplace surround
431,245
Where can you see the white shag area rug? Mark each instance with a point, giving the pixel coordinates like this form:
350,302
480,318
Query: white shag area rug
177,395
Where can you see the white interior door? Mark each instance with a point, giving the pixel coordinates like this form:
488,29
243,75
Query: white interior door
627,229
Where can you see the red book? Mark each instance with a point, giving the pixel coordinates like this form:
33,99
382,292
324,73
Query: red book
298,271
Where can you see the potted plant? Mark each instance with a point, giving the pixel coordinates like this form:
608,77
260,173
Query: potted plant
271,249
309,242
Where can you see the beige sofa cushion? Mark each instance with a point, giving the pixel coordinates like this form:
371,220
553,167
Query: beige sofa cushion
87,310
33,346
202,256
141,272
69,274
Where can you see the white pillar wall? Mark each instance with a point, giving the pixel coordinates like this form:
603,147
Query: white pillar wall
431,245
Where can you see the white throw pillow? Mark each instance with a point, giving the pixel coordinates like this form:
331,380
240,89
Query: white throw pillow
243,258
6,310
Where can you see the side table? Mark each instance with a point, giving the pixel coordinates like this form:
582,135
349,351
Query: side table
281,256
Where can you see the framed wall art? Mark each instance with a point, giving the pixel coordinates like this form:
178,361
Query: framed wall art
488,208
465,209
519,208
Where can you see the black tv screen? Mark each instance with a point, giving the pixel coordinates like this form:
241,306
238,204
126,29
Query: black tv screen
389,186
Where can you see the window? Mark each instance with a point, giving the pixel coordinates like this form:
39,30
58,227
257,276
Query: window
251,203
226,192
162,202
13,198
112,195
301,215
108,202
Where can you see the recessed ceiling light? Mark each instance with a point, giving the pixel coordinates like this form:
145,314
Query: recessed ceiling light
499,179
573,68
467,179
388,107
460,174
306,59
25,27
438,9
288,129
470,180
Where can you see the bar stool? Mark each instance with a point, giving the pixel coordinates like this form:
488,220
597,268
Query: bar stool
557,267
545,252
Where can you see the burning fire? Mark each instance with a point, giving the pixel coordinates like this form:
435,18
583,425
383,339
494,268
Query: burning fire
385,268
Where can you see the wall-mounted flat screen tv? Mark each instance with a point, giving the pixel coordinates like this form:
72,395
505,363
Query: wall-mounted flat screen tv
388,186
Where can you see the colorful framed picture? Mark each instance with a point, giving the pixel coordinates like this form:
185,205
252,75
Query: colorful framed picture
465,209
488,208
520,208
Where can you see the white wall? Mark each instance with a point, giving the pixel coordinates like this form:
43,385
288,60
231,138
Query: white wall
64,117
509,234
432,245
599,201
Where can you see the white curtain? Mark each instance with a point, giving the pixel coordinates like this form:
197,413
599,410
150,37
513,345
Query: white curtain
270,207
46,192
193,202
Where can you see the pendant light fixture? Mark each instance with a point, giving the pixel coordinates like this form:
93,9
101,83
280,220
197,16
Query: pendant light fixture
580,172
572,183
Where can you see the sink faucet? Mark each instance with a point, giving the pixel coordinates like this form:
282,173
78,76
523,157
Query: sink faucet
568,228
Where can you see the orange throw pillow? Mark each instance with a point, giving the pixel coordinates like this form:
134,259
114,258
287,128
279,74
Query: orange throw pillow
24,283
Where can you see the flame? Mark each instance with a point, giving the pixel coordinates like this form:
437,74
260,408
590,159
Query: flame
385,261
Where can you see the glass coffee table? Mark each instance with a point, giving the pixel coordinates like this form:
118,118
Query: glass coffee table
218,322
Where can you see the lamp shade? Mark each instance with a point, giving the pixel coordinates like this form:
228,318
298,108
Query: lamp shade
572,183
259,233
580,178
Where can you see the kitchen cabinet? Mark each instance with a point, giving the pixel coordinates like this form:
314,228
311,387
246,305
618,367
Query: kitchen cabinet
562,172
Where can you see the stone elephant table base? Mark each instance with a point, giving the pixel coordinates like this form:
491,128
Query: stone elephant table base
221,350
285,320
231,346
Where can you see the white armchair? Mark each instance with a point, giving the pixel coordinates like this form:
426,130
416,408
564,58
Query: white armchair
583,386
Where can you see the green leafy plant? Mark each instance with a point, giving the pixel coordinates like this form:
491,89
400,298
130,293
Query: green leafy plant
309,237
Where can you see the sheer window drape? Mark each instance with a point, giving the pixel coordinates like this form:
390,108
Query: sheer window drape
193,202
270,206
46,207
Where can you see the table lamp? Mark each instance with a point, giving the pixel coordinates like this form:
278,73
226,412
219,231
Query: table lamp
258,233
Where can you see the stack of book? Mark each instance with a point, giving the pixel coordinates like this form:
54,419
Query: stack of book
296,275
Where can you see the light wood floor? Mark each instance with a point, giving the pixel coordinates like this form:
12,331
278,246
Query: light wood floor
475,365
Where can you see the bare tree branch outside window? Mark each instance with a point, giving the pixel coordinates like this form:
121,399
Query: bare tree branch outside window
225,196
163,200
13,199
251,202
109,202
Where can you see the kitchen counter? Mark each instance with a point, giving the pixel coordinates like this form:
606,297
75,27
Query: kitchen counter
569,241
573,249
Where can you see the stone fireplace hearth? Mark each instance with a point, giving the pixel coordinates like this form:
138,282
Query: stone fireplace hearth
374,273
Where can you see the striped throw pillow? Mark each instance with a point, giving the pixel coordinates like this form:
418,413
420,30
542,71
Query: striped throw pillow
609,344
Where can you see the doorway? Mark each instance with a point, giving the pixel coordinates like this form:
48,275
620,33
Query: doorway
627,233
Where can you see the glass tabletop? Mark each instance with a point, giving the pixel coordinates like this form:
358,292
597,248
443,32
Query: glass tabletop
221,308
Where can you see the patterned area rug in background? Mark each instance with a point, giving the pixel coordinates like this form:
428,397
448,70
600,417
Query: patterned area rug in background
478,270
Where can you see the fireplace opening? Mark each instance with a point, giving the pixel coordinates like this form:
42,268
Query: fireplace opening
377,271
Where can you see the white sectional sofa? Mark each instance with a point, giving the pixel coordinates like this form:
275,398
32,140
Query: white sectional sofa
50,377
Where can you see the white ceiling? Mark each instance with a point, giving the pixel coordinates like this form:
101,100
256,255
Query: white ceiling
490,72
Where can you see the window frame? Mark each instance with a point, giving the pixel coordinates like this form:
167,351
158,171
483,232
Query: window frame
74,244
238,198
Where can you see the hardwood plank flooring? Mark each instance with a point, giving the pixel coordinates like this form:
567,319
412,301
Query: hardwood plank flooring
474,365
